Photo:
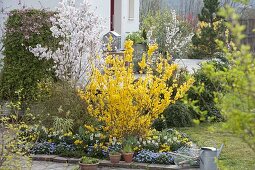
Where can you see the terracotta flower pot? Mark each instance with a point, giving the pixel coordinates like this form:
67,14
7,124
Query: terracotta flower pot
128,157
115,158
88,166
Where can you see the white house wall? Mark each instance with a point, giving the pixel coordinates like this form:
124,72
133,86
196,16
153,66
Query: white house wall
122,23
117,20
102,8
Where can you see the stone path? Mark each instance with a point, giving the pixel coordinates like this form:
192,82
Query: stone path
43,165
189,64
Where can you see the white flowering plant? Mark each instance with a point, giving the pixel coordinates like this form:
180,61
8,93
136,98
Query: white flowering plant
165,141
78,30
172,34
176,40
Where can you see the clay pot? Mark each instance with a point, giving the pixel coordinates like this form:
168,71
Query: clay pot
128,157
88,166
115,158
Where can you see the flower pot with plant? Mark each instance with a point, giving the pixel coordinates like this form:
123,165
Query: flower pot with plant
114,157
128,153
88,163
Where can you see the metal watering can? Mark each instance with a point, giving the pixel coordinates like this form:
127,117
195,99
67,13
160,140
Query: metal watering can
208,156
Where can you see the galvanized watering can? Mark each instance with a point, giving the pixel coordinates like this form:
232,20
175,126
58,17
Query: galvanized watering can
208,156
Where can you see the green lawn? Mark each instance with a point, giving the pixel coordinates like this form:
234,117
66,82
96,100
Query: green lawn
236,154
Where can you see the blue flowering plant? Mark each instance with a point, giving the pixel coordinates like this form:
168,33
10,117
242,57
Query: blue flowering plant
43,148
146,156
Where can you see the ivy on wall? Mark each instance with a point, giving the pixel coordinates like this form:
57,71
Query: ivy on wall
22,70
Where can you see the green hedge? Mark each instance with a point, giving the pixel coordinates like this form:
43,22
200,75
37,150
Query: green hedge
22,70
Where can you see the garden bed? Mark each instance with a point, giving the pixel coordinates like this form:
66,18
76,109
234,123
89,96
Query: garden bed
156,148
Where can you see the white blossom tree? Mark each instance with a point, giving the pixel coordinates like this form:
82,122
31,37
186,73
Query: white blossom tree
171,34
78,30
176,40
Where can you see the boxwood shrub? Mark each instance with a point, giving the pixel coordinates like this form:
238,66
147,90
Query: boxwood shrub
178,115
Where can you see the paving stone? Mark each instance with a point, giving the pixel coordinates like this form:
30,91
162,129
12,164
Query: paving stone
139,165
43,157
104,163
156,167
170,167
45,165
122,164
60,159
38,167
73,160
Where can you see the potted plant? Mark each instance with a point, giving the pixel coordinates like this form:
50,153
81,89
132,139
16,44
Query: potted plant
88,163
114,157
128,153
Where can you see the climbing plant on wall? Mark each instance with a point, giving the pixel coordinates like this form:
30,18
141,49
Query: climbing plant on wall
22,70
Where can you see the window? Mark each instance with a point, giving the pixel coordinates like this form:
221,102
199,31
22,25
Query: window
131,9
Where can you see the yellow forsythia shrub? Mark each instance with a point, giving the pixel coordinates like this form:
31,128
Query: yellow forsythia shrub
127,105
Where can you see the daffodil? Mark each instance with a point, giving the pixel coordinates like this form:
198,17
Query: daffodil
90,128
78,142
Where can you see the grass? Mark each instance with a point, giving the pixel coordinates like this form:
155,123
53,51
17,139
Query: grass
236,154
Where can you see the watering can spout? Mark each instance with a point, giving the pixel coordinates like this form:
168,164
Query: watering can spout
219,150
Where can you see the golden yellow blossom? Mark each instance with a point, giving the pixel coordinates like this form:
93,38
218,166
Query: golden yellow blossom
89,128
128,105
78,142
143,64
68,134
128,54
164,148
203,24
152,49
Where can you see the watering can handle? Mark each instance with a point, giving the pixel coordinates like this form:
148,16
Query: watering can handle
218,152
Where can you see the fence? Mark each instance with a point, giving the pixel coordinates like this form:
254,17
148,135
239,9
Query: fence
250,34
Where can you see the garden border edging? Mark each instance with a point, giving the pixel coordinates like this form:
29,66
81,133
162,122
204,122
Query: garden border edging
105,163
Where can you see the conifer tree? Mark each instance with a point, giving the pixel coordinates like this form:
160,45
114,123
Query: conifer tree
210,28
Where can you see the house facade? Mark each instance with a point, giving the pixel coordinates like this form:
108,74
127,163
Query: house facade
121,16
124,17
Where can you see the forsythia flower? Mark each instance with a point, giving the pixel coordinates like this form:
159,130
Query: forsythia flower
152,49
129,51
128,105
143,64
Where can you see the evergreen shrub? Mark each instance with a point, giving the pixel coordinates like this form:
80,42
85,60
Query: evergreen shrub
22,70
178,115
